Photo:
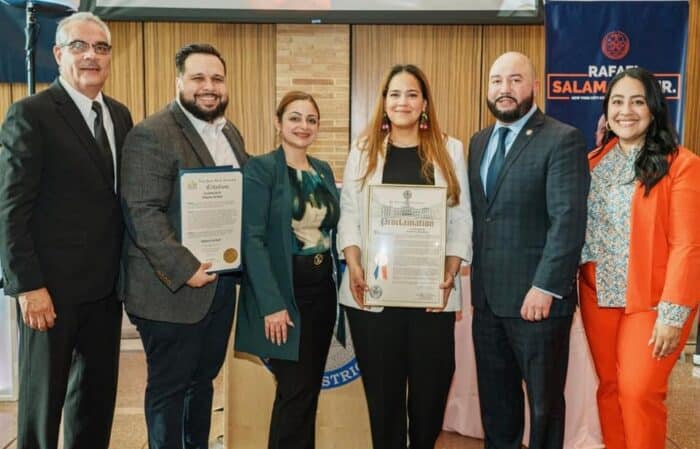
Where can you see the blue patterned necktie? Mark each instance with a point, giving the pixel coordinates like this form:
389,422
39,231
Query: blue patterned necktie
496,162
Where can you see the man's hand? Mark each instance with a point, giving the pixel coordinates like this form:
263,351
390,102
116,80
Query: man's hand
37,309
536,305
664,339
201,278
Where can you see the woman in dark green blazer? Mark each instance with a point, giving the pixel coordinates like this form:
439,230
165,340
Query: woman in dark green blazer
288,298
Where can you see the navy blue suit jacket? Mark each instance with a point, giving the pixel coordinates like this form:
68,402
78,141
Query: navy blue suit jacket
532,231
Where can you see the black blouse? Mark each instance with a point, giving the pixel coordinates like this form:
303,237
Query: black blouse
403,166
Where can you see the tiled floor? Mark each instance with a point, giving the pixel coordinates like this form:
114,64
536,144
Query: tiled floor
129,430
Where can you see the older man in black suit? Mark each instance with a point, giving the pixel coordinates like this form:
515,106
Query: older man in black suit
528,177
60,239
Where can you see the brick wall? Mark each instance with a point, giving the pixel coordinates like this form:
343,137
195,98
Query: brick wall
316,59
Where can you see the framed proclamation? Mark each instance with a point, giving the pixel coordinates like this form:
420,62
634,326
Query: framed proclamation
211,204
404,255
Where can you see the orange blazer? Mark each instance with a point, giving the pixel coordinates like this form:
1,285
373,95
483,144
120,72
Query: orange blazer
664,258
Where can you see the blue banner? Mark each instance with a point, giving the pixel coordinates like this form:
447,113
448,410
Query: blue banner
13,67
589,42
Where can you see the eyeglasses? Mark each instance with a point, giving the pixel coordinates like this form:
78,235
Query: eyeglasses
79,47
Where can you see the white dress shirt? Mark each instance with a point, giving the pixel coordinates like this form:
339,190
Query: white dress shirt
84,104
214,138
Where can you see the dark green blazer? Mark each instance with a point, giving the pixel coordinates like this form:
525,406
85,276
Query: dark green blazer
267,285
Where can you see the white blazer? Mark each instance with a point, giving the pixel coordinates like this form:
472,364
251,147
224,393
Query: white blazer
353,202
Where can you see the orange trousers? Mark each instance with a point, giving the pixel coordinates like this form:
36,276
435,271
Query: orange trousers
633,385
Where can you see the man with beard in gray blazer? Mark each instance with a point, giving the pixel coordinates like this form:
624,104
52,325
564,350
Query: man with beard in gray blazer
183,314
528,178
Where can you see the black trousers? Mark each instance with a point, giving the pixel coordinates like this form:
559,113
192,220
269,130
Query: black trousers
399,348
182,361
293,421
73,368
508,351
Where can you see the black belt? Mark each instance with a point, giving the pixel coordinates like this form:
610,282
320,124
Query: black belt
312,260
313,270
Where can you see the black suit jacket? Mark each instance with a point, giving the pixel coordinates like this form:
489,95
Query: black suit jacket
60,219
532,231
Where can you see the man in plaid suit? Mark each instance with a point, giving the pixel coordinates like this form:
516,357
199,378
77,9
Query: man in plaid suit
529,179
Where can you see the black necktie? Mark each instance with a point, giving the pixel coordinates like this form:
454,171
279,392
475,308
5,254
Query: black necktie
103,141
496,162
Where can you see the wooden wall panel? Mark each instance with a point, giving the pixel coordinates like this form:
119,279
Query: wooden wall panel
498,39
11,92
19,90
692,105
447,54
5,99
126,79
249,51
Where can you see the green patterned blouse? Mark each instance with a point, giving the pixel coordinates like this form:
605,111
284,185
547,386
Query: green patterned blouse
315,212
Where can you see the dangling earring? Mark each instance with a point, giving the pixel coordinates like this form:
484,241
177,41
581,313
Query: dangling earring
386,124
607,125
423,121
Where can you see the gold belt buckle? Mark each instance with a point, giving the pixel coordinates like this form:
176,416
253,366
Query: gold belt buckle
318,259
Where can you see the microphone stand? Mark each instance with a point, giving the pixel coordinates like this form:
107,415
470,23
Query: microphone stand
30,45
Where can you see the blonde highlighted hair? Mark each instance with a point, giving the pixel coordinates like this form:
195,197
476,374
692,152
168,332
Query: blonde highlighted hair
432,143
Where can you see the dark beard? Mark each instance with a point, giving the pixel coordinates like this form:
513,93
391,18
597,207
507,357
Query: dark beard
512,115
207,116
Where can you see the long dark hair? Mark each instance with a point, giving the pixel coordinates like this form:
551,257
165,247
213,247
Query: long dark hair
660,141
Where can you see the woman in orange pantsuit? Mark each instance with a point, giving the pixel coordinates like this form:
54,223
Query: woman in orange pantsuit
640,278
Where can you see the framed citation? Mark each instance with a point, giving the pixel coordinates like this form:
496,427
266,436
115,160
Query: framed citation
404,255
211,204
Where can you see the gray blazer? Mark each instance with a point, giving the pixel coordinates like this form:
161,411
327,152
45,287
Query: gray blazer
532,231
155,266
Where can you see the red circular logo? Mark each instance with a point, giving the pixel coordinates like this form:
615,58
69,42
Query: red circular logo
615,45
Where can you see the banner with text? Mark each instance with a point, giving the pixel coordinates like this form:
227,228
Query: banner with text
589,42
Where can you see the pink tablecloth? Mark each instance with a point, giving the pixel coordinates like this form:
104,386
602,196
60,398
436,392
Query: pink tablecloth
462,412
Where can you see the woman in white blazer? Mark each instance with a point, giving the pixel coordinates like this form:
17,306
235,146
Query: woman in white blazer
400,348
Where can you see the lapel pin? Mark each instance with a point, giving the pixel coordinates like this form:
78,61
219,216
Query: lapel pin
528,132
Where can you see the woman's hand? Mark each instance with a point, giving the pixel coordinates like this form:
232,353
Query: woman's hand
358,286
276,327
446,288
452,266
664,339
